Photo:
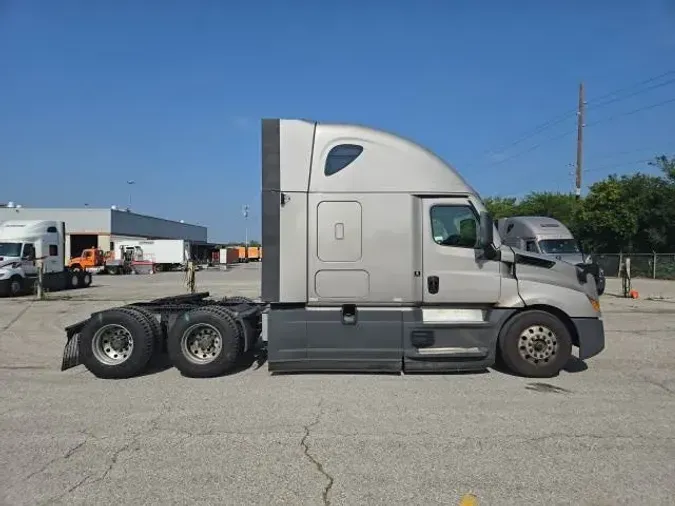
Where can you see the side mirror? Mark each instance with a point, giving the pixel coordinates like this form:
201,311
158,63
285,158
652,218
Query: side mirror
486,236
487,230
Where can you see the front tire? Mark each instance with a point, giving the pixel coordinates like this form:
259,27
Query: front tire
15,286
205,342
535,344
601,285
117,343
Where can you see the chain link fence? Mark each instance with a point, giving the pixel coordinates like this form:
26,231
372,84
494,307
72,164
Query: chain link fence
642,265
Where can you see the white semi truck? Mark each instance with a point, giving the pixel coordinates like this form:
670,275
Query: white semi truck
548,237
447,296
23,243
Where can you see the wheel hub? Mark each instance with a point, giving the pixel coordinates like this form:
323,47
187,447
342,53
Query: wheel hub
201,343
538,344
112,344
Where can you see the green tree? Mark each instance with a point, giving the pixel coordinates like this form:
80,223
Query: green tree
501,207
605,222
666,165
629,213
554,205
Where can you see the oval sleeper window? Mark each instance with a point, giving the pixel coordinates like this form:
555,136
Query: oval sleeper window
341,156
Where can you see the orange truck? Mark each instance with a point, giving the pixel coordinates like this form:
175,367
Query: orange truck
90,260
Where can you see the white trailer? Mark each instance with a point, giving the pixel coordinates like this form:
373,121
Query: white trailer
165,254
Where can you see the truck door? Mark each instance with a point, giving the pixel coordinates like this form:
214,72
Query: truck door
454,270
28,260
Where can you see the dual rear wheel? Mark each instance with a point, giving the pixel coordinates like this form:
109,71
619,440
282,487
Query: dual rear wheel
120,342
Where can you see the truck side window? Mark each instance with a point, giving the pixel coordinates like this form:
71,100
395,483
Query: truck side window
531,246
28,251
341,156
454,226
53,250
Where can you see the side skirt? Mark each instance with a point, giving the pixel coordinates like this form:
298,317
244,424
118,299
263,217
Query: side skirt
382,339
452,339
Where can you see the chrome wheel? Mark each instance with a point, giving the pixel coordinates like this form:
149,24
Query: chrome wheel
538,344
112,344
201,343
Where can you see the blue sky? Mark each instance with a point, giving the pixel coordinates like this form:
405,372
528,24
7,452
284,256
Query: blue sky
170,93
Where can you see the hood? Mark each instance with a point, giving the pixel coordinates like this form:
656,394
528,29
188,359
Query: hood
7,261
572,258
547,269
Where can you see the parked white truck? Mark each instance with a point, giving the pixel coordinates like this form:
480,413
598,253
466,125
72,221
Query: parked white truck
450,296
22,244
548,237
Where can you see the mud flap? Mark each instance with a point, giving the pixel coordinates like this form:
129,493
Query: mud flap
71,352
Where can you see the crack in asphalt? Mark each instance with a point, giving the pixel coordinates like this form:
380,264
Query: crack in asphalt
317,464
133,445
660,384
6,327
69,453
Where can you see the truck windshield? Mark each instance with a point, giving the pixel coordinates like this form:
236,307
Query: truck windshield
10,249
558,246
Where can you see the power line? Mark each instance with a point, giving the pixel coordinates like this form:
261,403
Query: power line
538,129
632,86
531,148
605,156
573,112
639,92
623,164
634,111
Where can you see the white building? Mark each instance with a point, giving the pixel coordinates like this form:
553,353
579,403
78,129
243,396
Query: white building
101,228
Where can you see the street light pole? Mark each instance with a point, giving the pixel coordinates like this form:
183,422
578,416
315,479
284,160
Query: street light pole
244,211
130,182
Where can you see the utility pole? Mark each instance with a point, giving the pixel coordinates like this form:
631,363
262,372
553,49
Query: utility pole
580,139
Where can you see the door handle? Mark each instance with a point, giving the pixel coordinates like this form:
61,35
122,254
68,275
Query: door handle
432,284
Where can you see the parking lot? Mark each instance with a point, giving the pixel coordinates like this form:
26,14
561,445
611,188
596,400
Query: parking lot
599,434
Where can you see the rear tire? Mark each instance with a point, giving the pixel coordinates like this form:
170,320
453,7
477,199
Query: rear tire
86,280
155,326
205,342
117,343
535,344
74,280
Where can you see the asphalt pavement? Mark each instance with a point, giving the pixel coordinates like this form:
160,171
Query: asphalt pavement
599,434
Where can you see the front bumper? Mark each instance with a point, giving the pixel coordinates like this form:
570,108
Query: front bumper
591,332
